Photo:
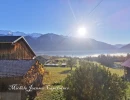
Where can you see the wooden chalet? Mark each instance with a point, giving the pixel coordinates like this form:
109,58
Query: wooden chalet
18,66
126,66
15,47
22,72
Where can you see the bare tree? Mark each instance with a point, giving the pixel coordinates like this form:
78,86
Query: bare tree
71,63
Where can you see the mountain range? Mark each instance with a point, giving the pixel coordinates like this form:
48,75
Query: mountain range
119,45
54,42
17,33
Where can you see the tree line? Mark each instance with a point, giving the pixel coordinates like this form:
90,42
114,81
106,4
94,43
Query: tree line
108,60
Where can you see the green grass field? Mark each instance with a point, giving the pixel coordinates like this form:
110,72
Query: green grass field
57,74
119,72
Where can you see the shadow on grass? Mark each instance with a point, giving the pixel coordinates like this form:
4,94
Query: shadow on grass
65,72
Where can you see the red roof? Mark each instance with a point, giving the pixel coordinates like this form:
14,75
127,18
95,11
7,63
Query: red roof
126,63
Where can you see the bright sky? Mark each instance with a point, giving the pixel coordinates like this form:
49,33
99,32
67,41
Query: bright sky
110,21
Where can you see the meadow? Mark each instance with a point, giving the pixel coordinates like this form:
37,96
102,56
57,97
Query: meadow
55,77
56,74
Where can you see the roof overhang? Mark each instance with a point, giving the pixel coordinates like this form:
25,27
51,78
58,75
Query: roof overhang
126,63
25,42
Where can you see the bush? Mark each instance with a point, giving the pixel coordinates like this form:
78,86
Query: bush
56,83
93,82
56,94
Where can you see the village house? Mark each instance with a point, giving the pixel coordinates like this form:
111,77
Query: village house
23,72
18,66
55,65
126,66
15,47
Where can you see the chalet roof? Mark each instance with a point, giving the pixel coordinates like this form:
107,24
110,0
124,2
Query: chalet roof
126,63
14,39
41,59
15,68
8,39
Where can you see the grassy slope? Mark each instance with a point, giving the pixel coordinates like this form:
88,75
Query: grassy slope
57,74
119,72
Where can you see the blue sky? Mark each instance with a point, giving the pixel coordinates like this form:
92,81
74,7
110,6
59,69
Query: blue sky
110,21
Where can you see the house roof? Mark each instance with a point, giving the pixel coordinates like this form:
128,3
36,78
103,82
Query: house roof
14,39
8,39
126,63
41,59
15,68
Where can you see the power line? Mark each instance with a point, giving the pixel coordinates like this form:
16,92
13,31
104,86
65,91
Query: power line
95,7
71,9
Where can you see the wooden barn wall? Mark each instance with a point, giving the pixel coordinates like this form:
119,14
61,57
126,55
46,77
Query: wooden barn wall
5,82
19,50
15,95
6,49
22,50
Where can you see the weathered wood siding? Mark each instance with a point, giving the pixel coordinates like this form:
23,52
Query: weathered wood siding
6,49
22,51
16,95
19,50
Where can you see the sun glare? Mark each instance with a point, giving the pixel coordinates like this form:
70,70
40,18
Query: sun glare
82,32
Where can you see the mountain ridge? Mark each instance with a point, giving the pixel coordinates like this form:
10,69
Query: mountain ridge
126,47
55,42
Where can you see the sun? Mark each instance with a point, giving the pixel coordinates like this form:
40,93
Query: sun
82,32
